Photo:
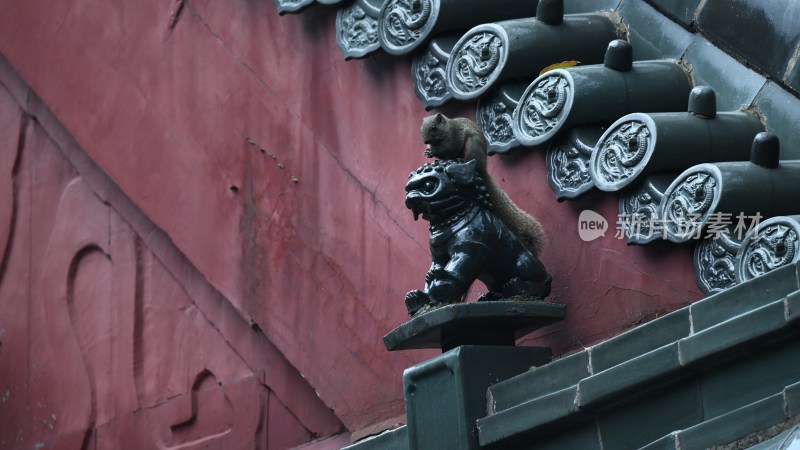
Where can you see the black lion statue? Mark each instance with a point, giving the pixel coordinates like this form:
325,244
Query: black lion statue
467,241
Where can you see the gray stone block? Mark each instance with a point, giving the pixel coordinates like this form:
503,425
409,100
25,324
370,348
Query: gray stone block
758,375
497,322
734,425
735,84
640,340
668,442
651,417
631,378
779,108
733,337
587,6
682,11
791,399
764,33
445,395
743,298
652,35
549,378
533,419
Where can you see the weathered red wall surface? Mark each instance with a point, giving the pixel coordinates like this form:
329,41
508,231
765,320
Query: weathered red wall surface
109,338
277,169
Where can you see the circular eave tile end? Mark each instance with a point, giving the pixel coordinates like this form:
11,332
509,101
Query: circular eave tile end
623,152
404,26
476,62
544,108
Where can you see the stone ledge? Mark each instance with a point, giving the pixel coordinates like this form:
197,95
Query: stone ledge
646,362
735,425
735,336
498,322
446,395
534,419
640,340
630,379
743,298
552,377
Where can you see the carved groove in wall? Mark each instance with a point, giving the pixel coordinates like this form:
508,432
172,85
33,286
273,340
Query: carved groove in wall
9,187
81,308
208,417
138,321
78,298
106,307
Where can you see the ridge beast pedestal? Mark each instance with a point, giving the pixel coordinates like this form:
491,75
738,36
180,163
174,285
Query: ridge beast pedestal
445,396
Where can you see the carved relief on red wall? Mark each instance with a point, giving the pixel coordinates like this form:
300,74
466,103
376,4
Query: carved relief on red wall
109,338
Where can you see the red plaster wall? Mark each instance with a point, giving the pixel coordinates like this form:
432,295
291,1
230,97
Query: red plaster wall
277,169
109,338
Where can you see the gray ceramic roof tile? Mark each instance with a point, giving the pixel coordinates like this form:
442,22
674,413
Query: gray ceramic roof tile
792,77
630,378
791,398
735,85
743,298
756,375
652,417
533,418
584,6
735,424
652,35
733,336
764,32
668,442
682,11
640,340
781,111
543,380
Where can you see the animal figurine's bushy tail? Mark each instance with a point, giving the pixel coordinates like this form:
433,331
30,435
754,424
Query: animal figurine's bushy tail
461,138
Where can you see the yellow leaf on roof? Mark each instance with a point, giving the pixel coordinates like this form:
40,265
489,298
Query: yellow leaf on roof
560,65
